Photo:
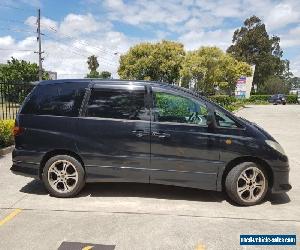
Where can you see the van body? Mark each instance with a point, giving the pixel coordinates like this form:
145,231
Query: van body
70,132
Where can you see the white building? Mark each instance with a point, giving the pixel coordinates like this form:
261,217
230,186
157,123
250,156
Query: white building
244,85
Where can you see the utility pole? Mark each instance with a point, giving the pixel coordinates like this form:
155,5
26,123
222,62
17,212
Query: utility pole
40,45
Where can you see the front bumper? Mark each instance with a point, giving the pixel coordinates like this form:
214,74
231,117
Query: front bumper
281,181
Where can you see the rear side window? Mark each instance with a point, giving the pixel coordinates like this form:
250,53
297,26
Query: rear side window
118,104
55,99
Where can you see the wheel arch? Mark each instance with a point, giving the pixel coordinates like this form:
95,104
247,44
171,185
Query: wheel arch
230,165
55,152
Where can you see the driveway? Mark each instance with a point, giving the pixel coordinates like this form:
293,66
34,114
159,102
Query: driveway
141,216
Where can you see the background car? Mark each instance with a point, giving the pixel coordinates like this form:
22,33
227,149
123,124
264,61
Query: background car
277,99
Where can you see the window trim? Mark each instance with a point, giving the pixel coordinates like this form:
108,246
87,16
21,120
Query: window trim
94,87
241,127
85,100
29,96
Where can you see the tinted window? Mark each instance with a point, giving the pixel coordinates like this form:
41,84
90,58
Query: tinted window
174,108
119,104
224,121
55,99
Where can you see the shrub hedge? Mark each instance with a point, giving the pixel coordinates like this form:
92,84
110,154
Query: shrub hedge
255,98
223,100
6,133
291,99
228,102
231,103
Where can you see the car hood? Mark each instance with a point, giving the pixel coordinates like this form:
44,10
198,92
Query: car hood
253,127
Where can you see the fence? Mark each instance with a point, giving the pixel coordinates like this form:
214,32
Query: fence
11,97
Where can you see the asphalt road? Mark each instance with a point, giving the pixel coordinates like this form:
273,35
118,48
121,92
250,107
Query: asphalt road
141,216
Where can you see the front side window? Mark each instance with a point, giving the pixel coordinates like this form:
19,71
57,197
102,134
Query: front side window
178,109
56,99
118,104
224,121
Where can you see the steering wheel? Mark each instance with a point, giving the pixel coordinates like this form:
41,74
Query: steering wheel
195,118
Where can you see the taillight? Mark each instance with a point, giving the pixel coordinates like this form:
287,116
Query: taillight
17,130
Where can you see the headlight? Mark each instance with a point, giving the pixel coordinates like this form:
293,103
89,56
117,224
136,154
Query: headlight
275,146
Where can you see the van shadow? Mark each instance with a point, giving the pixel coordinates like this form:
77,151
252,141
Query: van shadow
144,190
134,190
278,199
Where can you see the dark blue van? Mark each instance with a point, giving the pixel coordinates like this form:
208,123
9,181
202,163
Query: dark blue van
70,132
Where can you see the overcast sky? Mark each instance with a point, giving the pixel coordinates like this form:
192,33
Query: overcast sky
73,30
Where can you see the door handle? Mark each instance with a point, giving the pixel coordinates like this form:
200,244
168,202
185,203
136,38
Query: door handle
139,133
161,135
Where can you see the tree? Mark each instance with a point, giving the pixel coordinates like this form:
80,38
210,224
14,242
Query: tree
105,75
210,67
93,65
93,74
275,85
20,71
295,82
16,72
157,62
252,44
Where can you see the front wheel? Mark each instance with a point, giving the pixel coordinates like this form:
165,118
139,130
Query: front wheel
63,176
247,184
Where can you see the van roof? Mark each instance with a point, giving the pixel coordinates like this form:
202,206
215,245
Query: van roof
126,82
123,82
96,80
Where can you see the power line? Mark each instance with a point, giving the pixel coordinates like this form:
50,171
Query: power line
70,48
82,42
73,49
11,20
29,8
11,7
18,30
24,50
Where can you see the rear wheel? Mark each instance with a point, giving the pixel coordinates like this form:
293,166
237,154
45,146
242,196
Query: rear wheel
247,184
63,176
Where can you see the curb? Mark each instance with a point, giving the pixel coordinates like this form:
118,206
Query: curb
7,150
239,109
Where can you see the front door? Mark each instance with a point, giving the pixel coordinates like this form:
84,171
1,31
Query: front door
182,146
114,134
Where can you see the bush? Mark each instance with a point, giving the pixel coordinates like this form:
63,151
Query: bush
258,98
223,100
231,103
263,99
6,133
291,99
228,102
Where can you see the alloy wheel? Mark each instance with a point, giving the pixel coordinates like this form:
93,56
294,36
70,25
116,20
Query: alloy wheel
251,184
62,176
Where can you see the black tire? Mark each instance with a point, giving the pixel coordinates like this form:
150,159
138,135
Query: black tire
234,178
76,187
